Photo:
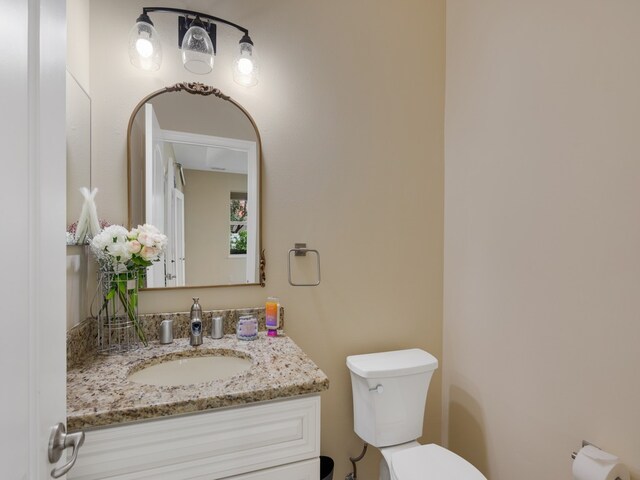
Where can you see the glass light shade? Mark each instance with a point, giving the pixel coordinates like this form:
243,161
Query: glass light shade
245,66
145,49
197,51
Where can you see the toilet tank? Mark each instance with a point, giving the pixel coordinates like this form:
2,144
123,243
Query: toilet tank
389,394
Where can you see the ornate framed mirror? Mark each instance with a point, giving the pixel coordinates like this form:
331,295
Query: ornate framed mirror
194,171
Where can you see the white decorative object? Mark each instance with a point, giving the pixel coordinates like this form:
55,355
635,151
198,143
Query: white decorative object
88,223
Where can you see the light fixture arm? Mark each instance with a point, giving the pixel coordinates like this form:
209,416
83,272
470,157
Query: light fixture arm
192,13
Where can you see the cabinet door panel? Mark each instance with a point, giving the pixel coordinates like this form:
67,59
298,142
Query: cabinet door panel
209,445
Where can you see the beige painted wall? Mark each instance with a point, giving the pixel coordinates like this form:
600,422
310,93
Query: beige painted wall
206,228
350,107
78,41
78,142
542,256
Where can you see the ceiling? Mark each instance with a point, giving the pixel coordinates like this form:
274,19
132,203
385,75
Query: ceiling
210,158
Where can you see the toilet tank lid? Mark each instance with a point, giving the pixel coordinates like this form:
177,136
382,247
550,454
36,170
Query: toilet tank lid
392,364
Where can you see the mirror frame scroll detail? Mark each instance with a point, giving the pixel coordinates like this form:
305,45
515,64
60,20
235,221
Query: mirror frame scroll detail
196,88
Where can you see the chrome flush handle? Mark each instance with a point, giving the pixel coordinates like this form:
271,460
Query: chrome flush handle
378,388
59,441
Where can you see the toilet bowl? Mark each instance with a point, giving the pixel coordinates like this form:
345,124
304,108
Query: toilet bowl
389,397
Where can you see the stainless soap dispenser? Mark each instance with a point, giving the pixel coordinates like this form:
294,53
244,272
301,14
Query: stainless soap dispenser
195,336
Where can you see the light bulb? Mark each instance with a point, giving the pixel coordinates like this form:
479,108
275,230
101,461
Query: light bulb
245,66
245,69
144,47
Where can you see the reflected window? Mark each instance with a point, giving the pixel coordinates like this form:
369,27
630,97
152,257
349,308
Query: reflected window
238,223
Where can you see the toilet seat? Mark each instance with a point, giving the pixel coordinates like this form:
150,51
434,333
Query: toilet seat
432,462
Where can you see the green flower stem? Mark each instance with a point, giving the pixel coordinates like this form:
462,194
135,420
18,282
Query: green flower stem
128,299
124,298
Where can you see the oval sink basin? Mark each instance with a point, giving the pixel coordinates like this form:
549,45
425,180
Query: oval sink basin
190,370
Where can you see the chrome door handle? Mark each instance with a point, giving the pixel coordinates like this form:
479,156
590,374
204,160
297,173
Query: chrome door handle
59,441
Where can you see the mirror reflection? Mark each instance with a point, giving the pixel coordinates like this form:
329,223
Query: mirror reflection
78,130
194,172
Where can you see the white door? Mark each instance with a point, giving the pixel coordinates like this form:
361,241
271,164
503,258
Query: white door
155,188
32,219
170,256
178,240
253,220
250,149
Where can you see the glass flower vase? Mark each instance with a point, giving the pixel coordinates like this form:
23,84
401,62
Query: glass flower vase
119,327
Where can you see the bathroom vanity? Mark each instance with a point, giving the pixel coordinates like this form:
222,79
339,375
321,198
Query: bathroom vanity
198,153
263,423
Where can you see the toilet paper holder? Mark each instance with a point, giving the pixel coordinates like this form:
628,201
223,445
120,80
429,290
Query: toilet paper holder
584,444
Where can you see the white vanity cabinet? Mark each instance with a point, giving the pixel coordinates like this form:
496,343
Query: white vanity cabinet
268,441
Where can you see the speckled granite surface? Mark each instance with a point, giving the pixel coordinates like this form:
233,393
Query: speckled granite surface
99,394
82,341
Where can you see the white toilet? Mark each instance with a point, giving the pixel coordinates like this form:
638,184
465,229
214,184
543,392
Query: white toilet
389,396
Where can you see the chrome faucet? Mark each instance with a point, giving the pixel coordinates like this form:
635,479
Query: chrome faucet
195,327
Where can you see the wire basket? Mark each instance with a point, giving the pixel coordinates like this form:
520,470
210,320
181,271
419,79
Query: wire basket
119,328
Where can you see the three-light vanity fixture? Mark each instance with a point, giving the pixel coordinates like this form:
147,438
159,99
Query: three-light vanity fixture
196,39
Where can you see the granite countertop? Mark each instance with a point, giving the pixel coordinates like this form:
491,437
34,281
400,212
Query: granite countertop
99,393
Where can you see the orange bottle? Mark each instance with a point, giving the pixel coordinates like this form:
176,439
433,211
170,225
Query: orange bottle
272,316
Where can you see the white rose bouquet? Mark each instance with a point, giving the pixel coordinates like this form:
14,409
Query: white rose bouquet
124,256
